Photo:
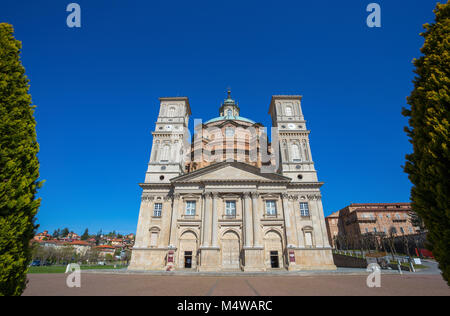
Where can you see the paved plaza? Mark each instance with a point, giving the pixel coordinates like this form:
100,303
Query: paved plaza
236,285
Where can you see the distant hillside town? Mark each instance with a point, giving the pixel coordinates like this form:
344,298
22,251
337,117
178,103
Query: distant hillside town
64,246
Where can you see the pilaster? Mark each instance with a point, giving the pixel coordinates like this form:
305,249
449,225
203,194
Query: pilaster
247,220
214,219
257,238
173,224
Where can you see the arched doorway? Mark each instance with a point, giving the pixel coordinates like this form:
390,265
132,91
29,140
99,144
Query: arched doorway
187,253
273,249
230,250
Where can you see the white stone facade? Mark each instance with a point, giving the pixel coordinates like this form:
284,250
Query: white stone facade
230,214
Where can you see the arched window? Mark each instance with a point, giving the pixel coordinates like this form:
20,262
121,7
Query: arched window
165,153
295,152
288,111
171,112
229,112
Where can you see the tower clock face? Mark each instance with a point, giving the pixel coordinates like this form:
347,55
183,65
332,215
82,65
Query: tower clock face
291,126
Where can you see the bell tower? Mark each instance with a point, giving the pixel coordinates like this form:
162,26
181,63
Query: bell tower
167,159
295,153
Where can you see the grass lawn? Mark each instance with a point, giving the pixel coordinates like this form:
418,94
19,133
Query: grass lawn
62,269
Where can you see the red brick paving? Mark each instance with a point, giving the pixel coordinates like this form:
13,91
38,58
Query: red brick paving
141,284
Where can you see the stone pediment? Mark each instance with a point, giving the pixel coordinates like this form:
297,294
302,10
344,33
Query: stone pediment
230,172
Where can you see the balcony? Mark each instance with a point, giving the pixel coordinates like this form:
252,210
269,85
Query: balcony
188,217
270,216
228,216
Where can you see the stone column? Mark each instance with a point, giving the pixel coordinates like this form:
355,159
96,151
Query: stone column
202,217
256,221
214,220
247,220
173,224
207,220
209,252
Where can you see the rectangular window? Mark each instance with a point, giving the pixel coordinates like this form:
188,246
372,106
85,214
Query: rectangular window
304,209
157,210
190,208
230,208
271,208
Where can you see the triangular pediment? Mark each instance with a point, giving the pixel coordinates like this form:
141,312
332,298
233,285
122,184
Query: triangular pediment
230,171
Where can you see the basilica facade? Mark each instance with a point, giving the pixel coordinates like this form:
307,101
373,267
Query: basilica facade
226,198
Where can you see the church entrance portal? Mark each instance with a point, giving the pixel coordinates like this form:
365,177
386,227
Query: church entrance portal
230,251
188,259
188,251
274,263
273,247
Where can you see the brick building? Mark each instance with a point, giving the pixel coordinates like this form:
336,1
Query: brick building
358,219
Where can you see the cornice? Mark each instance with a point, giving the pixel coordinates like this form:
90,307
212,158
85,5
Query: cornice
204,181
305,185
288,132
155,185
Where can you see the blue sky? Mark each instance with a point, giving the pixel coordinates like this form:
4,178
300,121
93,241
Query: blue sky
96,89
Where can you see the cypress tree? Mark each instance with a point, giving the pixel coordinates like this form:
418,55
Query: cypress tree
85,235
19,167
429,126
